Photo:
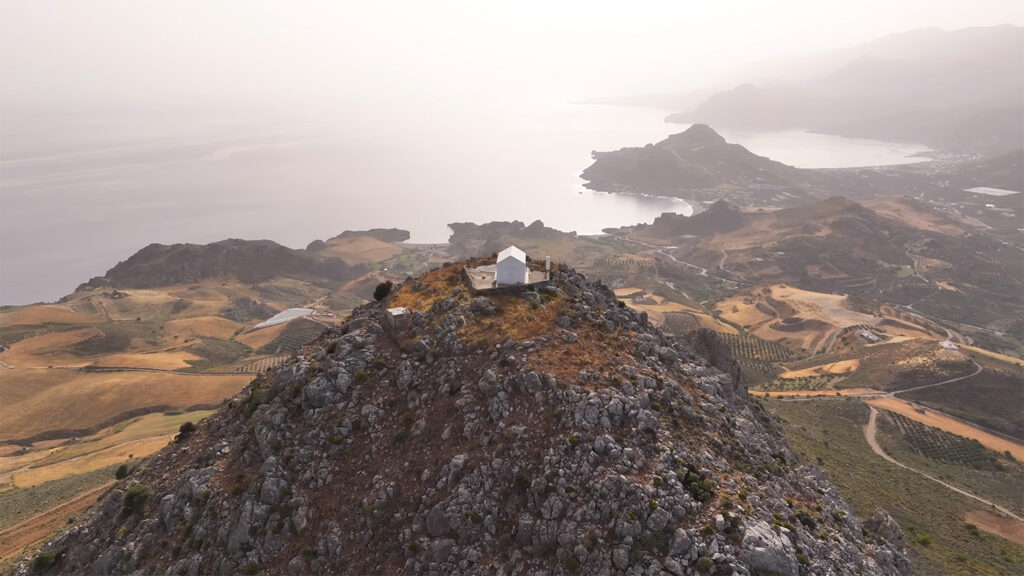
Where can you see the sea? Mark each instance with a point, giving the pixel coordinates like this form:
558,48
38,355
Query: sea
80,192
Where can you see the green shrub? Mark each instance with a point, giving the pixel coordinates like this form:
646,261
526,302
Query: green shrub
121,472
184,431
135,498
382,290
42,562
802,558
705,565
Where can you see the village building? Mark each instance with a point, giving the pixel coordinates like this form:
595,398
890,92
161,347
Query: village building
510,269
869,336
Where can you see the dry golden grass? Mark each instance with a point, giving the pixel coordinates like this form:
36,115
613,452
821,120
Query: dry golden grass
212,326
90,462
990,354
361,250
139,428
172,360
842,367
743,310
145,304
43,313
517,319
943,422
38,400
44,350
804,339
829,308
442,280
259,338
916,215
656,310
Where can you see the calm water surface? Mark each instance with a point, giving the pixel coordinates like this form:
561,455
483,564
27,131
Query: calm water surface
80,193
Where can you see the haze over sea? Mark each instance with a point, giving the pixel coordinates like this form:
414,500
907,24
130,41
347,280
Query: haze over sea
80,192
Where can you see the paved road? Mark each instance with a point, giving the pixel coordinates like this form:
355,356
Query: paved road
870,430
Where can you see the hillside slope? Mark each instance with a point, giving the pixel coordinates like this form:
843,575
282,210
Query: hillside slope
248,260
922,86
550,431
696,158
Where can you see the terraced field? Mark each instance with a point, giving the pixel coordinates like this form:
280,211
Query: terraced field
941,445
297,334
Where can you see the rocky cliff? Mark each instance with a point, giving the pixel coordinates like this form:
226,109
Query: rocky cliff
548,431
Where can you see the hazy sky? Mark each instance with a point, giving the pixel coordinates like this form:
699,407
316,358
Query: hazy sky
147,53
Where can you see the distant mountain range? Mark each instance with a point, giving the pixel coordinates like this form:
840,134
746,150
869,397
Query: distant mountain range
961,90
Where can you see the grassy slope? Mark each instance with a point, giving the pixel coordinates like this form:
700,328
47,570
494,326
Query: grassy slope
833,431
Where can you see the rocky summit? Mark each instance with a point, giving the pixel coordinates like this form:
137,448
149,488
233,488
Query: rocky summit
542,431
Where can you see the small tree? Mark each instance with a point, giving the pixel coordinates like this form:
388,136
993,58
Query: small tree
121,472
382,290
185,431
134,498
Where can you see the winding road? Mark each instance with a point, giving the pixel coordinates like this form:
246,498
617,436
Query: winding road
870,434
950,381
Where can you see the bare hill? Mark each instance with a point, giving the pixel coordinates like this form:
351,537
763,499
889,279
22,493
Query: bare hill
543,432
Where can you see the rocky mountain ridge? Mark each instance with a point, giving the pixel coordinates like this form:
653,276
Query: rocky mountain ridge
547,431
248,260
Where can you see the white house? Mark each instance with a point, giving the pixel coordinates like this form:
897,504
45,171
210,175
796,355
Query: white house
511,267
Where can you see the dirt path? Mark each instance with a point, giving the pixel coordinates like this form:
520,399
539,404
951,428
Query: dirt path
950,381
943,421
15,539
1012,530
870,430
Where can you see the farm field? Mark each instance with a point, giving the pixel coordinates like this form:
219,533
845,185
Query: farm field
100,459
840,367
830,432
943,422
23,535
173,360
40,401
960,461
48,314
257,339
659,309
138,428
47,349
212,326
993,399
1011,529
